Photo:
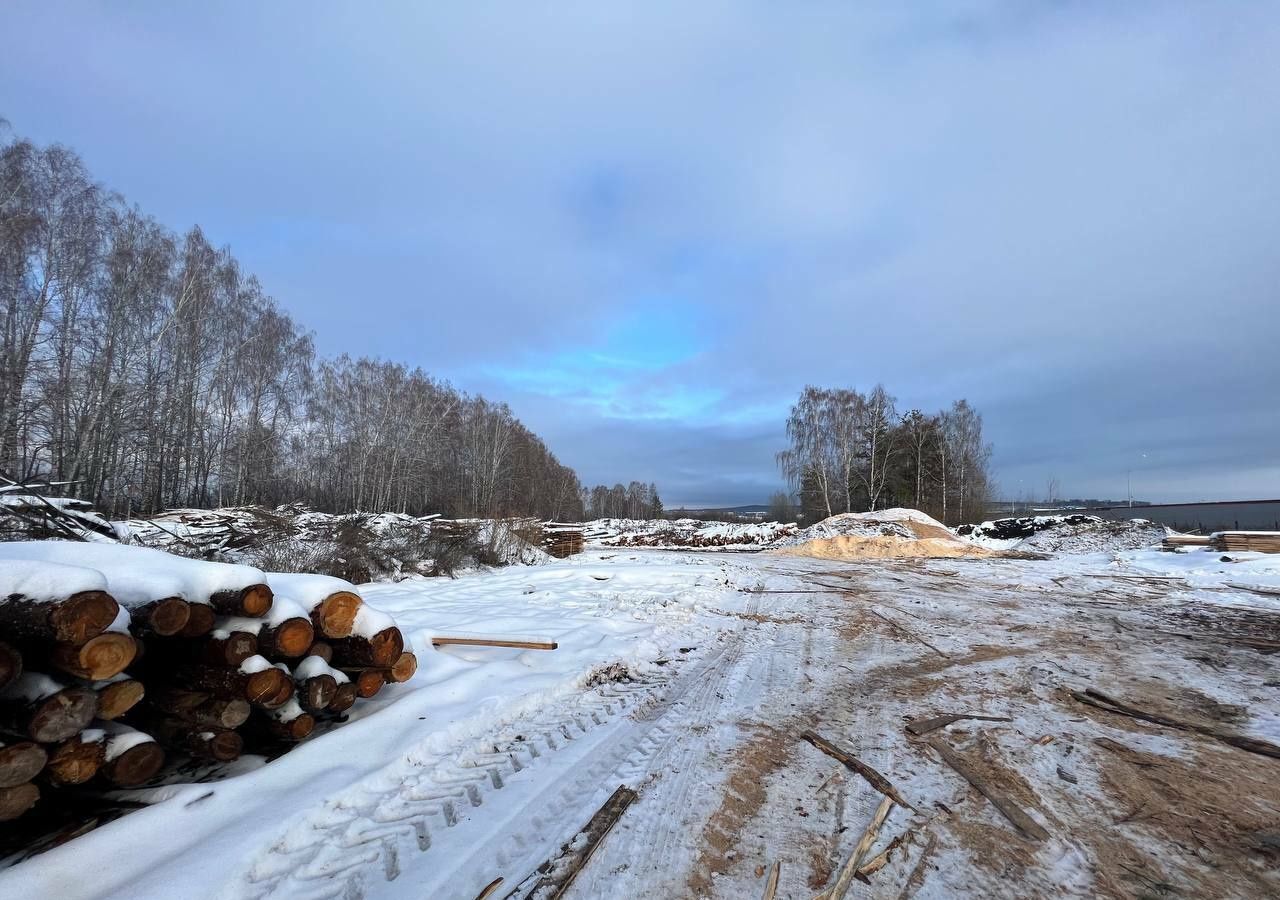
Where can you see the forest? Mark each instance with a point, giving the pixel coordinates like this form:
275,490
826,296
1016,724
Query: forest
151,370
852,452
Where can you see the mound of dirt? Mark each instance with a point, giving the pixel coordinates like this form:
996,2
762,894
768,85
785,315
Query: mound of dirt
883,534
1072,533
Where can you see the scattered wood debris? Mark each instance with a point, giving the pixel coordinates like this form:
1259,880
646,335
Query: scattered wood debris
1101,701
478,640
920,727
557,874
873,778
1014,813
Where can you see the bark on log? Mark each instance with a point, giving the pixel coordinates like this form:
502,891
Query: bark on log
162,618
218,744
335,615
269,687
317,692
115,698
200,621
380,651
73,620
201,708
50,718
16,800
76,760
139,763
20,763
10,665
288,640
98,658
252,601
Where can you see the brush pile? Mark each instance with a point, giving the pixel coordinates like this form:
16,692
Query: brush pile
113,657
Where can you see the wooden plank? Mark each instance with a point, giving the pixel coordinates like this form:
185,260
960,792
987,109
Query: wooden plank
444,640
558,872
920,727
1014,813
771,884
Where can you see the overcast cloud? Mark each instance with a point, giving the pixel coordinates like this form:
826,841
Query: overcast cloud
648,226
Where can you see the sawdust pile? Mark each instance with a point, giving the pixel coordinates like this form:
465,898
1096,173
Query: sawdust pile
883,534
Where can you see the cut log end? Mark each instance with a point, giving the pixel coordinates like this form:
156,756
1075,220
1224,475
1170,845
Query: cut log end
118,697
403,668
169,616
98,658
269,688
225,746
300,727
335,616
139,763
369,682
62,715
83,616
293,638
255,600
317,692
322,650
16,800
20,763
201,618
75,761
343,698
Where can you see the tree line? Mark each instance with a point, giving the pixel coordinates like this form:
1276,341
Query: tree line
853,452
151,370
635,501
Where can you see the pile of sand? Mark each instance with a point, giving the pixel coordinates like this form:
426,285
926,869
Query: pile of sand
883,534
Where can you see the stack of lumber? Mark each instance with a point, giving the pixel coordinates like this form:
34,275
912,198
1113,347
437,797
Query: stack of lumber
1246,541
1174,541
111,655
562,540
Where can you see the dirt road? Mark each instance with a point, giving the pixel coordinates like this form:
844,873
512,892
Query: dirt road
726,788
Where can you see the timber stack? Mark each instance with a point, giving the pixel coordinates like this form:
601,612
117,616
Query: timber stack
1245,541
1177,541
113,658
562,540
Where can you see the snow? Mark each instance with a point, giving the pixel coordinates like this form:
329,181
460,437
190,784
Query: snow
36,580
370,621
312,666
32,686
308,590
1070,533
254,664
135,575
121,738
672,533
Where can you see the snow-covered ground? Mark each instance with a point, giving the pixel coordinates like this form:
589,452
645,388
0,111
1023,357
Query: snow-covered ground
689,676
684,533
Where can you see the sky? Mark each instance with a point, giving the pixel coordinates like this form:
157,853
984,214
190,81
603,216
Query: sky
647,226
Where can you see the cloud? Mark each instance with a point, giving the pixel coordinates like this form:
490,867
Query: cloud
648,226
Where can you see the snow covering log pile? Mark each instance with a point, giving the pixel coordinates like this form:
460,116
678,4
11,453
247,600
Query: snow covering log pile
685,533
114,657
1069,533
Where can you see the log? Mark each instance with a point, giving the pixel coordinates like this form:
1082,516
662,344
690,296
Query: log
343,698
322,650
161,618
368,682
98,658
873,778
1014,813
771,883
218,744
230,650
253,601
20,762
289,724
115,698
10,664
265,687
1103,702
16,800
38,708
380,651
73,620
200,708
317,692
132,758
335,615
200,621
289,639
404,668
444,640
880,860
77,759
920,727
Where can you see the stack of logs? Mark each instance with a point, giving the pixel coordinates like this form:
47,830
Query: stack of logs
1246,541
89,696
1176,541
562,540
